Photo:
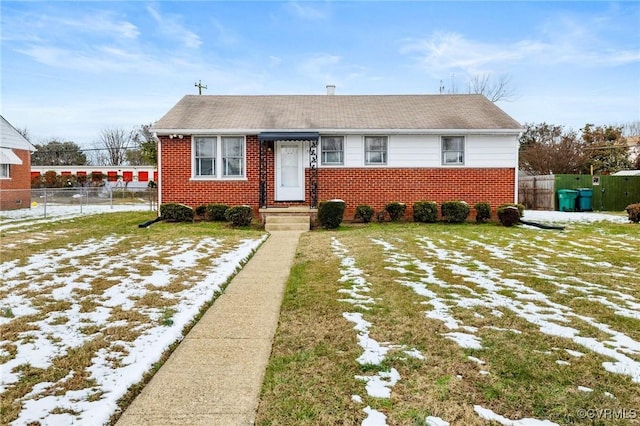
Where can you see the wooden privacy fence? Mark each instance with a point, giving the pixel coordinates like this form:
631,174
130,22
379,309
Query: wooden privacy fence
610,193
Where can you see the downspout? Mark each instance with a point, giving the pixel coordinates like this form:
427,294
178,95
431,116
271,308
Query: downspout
517,170
159,167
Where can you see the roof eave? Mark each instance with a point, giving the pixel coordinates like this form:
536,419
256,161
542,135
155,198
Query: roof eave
514,131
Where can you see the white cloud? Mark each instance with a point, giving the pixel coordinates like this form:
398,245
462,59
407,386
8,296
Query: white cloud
170,26
306,10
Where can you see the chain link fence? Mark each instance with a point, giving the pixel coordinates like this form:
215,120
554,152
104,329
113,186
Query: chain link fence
40,202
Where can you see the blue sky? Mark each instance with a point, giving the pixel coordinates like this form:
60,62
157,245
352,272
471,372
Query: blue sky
72,69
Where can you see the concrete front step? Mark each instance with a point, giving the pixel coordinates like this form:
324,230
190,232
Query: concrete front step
286,227
287,219
287,223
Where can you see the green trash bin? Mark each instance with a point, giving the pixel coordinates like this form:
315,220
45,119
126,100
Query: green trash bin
585,195
567,200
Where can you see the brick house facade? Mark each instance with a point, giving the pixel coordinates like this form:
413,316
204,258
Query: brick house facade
280,151
15,168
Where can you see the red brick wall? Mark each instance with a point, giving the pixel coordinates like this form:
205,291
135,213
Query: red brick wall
177,186
16,191
379,186
373,186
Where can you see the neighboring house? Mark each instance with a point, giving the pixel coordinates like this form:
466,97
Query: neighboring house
298,150
15,167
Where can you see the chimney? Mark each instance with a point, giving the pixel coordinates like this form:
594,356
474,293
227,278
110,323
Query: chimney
331,89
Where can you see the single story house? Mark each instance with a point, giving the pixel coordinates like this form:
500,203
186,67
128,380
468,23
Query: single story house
15,168
297,150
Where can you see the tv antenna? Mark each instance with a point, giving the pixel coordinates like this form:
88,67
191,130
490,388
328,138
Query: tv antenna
200,86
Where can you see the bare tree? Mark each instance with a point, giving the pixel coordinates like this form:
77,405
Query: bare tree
113,147
548,149
496,90
631,129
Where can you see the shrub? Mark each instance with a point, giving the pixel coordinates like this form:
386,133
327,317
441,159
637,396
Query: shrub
633,210
330,213
425,211
239,215
520,207
176,212
216,212
508,214
396,210
381,216
201,210
455,211
483,212
364,212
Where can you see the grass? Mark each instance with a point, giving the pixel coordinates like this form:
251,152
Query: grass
580,275
96,253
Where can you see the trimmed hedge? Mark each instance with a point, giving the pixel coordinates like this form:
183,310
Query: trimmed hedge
509,214
216,212
396,210
455,211
633,210
483,212
330,213
176,212
425,212
364,212
201,210
239,215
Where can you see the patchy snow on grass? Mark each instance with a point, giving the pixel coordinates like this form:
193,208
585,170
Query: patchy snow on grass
487,414
90,294
12,221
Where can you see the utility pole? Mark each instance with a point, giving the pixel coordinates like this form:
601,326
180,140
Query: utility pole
200,86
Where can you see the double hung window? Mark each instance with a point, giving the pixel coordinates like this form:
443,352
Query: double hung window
452,150
218,156
375,150
332,150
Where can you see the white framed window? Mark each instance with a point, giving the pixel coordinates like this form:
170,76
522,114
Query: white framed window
216,157
232,156
4,171
452,150
375,149
332,150
205,157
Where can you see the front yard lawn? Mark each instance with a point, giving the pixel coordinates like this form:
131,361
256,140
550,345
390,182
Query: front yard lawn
89,306
411,324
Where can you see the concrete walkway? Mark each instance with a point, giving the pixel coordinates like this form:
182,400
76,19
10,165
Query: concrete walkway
215,375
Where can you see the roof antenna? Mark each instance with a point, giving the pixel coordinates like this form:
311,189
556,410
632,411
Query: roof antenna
200,86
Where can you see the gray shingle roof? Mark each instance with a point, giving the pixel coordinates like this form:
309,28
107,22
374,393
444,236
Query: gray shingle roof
318,112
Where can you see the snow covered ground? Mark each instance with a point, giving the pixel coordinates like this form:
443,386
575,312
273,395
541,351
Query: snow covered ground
101,295
14,220
489,289
545,216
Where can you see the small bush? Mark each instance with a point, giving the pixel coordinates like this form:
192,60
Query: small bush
483,212
176,212
396,210
216,212
330,213
425,212
364,213
508,214
381,216
239,215
201,210
520,207
633,210
455,211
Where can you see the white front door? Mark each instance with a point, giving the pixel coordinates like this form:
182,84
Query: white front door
289,171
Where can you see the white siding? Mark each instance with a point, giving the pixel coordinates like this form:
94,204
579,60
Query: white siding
483,151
